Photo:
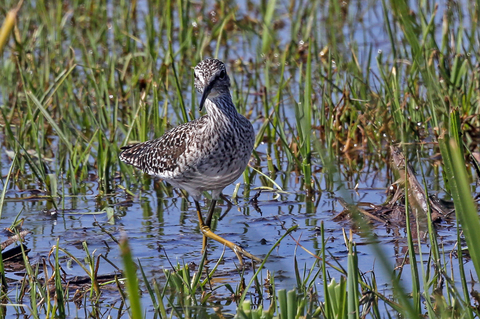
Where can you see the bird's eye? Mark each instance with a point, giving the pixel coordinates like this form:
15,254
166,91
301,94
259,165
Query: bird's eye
222,75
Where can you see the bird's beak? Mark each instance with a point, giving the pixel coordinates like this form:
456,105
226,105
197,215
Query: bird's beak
205,94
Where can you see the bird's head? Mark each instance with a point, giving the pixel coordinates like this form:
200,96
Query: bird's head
211,79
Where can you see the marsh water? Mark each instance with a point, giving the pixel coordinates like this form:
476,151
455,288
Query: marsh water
163,230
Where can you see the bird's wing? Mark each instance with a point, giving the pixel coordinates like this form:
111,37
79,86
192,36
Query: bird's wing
162,155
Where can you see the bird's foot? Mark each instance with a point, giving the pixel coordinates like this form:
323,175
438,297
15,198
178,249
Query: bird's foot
239,251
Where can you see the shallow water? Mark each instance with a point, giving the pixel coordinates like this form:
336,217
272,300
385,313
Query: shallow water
163,230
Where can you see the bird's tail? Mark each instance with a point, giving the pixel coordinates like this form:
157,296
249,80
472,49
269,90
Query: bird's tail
130,154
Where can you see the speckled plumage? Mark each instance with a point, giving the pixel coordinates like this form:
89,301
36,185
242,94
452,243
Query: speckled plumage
206,154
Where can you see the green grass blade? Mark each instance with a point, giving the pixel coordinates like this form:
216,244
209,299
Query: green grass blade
5,186
465,207
260,267
50,120
133,294
59,293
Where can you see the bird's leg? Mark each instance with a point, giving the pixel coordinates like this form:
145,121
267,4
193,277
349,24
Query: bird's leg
208,221
207,233
202,224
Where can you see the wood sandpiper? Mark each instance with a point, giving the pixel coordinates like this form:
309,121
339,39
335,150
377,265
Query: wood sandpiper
205,154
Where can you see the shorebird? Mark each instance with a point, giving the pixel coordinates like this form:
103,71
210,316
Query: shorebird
205,154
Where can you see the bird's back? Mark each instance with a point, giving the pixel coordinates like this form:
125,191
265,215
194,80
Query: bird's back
197,156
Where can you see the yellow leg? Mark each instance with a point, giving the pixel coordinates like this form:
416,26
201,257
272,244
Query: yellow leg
201,223
207,233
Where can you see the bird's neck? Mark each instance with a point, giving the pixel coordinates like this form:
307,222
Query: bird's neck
220,107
